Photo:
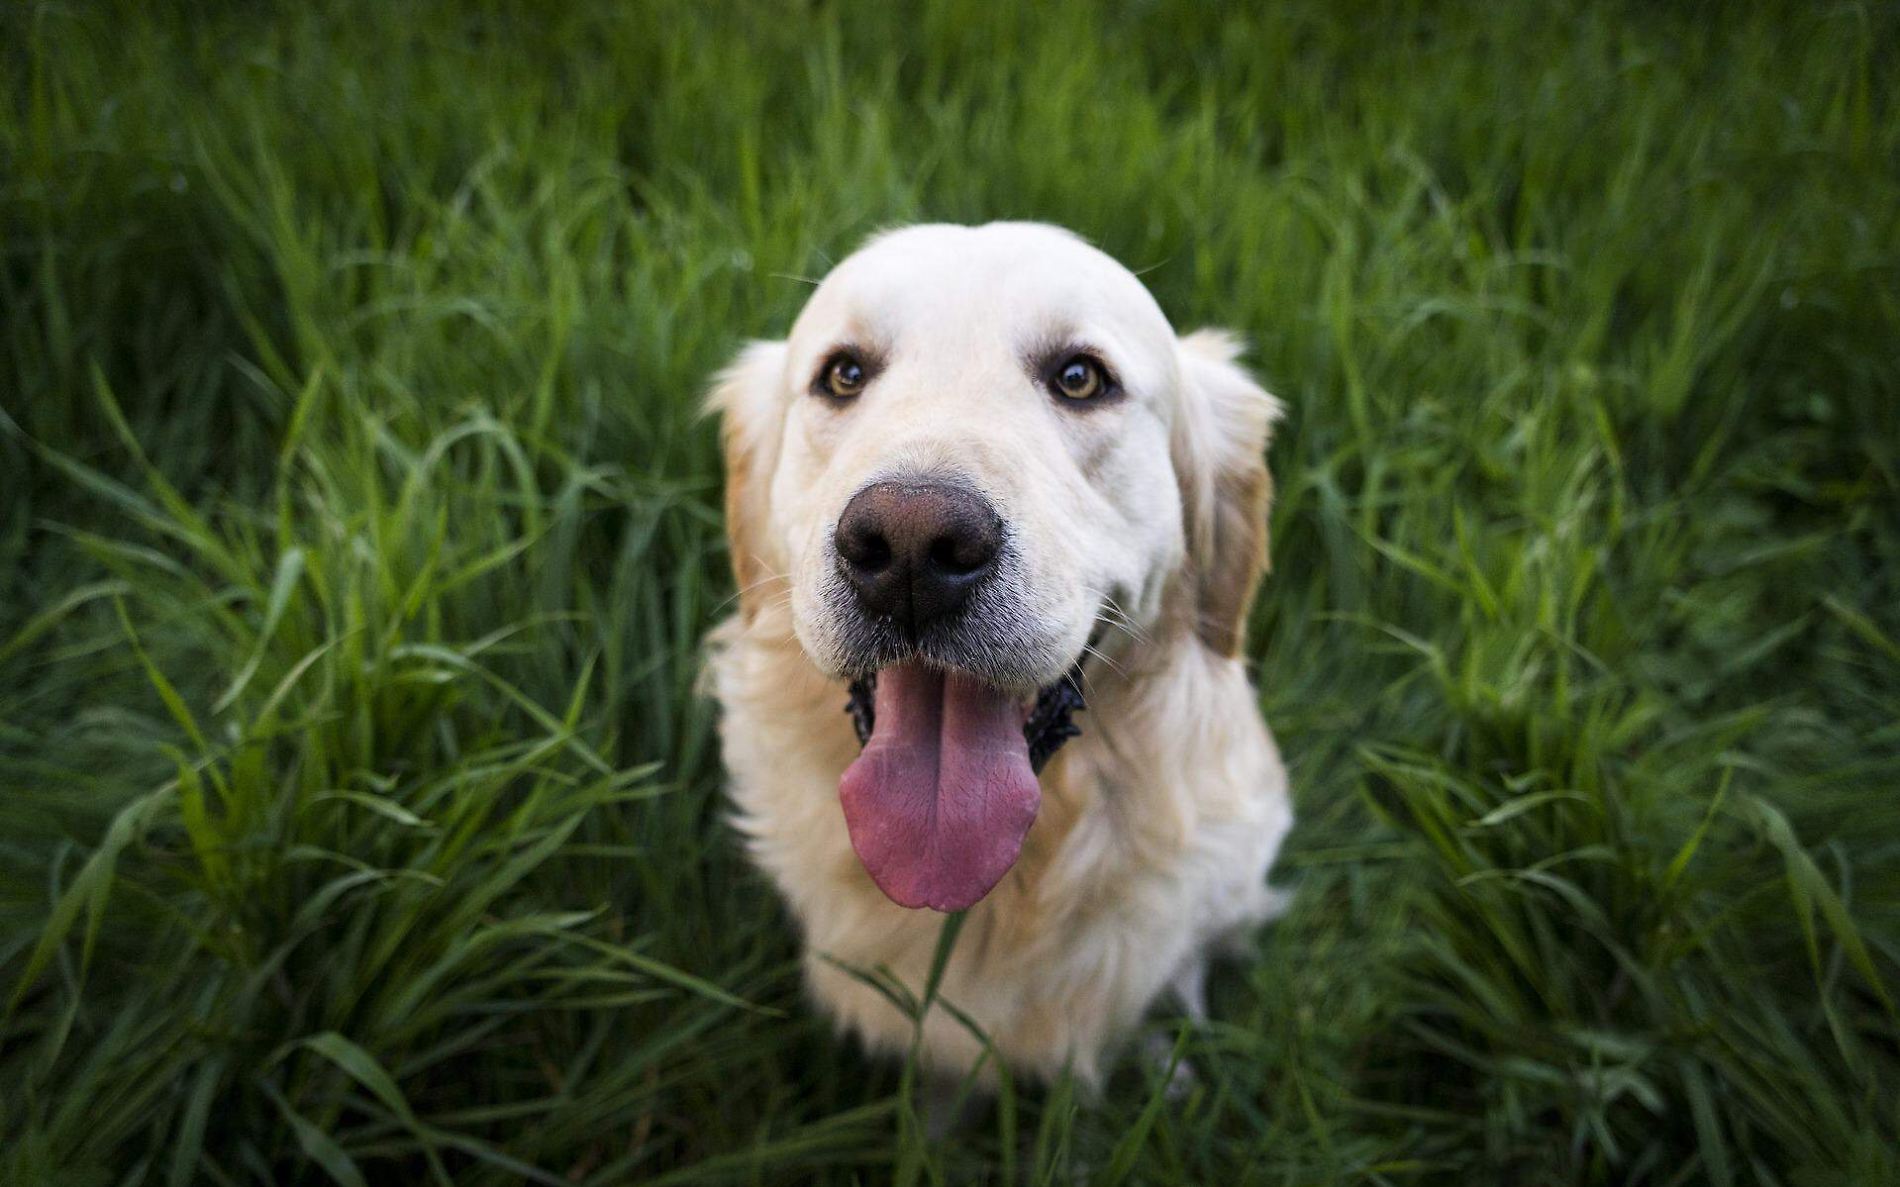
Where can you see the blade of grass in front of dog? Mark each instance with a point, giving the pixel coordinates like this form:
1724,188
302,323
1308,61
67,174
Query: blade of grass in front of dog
1005,1089
1121,1162
881,981
914,1154
1053,1136
940,959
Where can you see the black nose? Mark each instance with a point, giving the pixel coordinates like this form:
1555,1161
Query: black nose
914,551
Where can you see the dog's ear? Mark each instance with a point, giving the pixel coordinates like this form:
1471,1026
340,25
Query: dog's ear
1220,445
746,398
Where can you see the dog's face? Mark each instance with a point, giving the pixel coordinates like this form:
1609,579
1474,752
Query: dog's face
1029,379
976,448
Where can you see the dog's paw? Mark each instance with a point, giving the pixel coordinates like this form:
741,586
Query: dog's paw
1157,1051
1274,903
946,1108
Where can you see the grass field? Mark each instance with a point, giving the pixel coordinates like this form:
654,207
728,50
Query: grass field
359,820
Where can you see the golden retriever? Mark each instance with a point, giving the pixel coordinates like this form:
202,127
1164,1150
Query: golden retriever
981,482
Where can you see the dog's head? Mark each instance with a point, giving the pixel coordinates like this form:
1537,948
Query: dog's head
977,447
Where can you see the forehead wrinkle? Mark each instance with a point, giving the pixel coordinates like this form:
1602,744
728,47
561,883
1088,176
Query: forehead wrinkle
1120,347
859,330
845,325
1050,330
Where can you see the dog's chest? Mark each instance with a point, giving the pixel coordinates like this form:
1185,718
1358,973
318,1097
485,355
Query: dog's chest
1152,840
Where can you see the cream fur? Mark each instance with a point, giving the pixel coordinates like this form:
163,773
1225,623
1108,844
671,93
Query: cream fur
1159,823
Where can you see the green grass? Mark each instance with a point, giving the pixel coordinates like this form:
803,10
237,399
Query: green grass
360,820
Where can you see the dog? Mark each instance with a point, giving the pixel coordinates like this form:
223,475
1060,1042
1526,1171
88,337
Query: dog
988,513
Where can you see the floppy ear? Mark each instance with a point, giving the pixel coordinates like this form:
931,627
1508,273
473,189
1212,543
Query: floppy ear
1220,444
745,397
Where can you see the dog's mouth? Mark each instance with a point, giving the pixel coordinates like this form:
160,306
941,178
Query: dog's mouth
945,789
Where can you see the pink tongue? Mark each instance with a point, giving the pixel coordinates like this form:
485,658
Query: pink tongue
938,803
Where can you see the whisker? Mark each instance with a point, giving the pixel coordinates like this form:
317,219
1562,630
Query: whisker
1129,625
1098,653
743,590
1112,613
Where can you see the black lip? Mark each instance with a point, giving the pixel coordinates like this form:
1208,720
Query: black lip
1050,724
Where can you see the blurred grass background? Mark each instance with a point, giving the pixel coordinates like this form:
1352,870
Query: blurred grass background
359,821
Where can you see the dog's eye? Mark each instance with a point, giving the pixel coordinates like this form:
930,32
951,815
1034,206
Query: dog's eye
843,377
1081,378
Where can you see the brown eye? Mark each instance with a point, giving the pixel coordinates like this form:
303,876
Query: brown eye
1080,378
843,377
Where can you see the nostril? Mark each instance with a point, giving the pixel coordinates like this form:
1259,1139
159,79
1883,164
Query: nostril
864,548
872,553
958,555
